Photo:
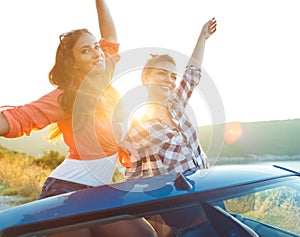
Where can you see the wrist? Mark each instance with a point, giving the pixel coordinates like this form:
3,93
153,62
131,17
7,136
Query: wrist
203,36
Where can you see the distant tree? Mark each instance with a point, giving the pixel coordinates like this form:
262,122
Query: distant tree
49,159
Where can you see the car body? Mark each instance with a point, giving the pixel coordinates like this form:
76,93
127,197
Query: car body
232,201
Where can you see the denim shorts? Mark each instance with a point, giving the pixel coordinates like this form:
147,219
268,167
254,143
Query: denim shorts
54,187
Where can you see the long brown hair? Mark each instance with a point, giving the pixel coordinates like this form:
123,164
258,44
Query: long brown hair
64,76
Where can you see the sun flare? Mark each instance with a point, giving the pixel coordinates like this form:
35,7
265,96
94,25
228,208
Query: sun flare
138,114
233,132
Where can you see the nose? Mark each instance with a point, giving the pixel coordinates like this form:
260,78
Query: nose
98,54
95,51
169,80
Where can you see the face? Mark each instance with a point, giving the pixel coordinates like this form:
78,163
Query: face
88,55
161,80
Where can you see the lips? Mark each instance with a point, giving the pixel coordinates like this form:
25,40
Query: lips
168,86
98,61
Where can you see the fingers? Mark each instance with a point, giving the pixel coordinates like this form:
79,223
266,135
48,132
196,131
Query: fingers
212,26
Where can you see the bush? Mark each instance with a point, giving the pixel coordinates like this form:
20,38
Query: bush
50,159
24,175
21,176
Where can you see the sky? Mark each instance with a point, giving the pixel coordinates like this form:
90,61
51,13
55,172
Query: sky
251,61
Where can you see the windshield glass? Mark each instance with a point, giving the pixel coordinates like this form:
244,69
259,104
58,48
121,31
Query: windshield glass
265,208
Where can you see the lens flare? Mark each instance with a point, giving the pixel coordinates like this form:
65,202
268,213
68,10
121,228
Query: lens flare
138,114
233,132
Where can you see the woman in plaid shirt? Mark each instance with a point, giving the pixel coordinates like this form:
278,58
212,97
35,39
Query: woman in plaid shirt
164,140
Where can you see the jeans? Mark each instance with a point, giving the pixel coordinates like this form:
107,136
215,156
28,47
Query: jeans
54,187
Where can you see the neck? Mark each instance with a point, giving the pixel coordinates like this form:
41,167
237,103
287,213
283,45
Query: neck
156,99
157,109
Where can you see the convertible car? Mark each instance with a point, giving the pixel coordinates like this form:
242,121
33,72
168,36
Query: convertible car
231,201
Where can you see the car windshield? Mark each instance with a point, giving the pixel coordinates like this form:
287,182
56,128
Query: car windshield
269,208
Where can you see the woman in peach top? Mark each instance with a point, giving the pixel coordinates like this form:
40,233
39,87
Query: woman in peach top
80,108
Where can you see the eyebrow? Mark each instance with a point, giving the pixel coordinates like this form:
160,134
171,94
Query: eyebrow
88,45
165,70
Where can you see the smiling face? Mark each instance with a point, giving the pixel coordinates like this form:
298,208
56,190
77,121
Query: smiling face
87,55
160,80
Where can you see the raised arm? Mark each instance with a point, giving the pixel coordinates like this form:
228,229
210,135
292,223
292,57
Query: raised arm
191,77
106,24
207,30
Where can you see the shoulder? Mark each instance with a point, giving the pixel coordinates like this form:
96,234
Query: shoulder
145,123
53,95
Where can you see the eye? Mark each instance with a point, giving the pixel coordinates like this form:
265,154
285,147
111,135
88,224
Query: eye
85,50
97,47
161,73
174,77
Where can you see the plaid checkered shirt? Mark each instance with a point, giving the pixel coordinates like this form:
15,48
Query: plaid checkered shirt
163,149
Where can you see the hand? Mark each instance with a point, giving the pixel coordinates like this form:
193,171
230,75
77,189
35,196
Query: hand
209,28
129,147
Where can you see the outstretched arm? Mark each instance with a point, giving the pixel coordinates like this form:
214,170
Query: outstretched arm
207,30
106,24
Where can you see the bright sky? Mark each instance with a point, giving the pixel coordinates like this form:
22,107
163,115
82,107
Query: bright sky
252,59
